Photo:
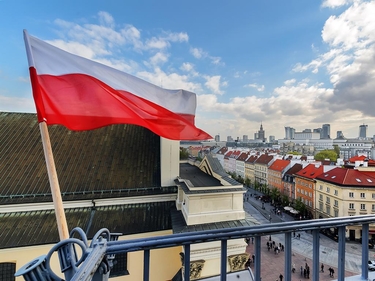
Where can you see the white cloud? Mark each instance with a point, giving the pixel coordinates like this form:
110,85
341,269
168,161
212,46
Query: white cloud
170,80
290,82
259,88
187,66
213,83
106,19
198,53
335,3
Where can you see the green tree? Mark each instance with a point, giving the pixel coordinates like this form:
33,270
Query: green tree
184,154
247,182
337,150
275,194
299,206
326,154
285,200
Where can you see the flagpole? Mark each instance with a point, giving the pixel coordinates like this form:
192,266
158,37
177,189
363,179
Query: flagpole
54,182
47,148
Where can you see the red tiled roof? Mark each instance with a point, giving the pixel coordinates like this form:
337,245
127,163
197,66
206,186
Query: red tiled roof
350,177
243,156
311,171
264,159
357,158
223,150
252,159
279,165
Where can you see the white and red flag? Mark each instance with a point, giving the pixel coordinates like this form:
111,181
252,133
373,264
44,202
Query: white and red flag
82,94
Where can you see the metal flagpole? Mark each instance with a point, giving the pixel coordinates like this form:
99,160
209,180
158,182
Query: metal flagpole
51,168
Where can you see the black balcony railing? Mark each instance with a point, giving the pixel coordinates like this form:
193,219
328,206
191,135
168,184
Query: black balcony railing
98,257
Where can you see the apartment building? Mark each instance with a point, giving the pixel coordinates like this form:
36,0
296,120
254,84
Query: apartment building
343,192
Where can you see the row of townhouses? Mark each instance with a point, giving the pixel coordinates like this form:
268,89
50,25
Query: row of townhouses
326,189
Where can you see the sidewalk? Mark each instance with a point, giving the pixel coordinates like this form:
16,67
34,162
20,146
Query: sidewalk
273,264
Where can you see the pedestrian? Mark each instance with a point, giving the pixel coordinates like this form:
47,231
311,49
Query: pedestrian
308,272
281,277
268,244
294,234
301,270
322,267
252,240
304,272
253,256
333,272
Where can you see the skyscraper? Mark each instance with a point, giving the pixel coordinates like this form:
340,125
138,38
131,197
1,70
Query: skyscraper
363,131
262,133
289,133
326,131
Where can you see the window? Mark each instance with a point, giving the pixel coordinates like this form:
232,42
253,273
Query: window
120,268
328,189
321,206
328,200
336,213
373,207
7,270
321,197
351,206
321,187
363,206
328,210
373,196
363,195
336,192
336,203
351,194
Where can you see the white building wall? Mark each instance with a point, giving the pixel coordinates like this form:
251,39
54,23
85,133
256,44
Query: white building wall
169,161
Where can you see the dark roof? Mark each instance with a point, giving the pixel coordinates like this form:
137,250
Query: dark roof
39,227
294,169
264,159
215,166
196,176
120,159
179,224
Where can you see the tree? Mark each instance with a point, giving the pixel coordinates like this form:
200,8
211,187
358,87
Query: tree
247,182
337,150
299,206
326,154
275,194
184,154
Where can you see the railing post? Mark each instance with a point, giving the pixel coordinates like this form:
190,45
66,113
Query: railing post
316,257
288,256
365,252
257,260
146,265
187,262
224,251
341,254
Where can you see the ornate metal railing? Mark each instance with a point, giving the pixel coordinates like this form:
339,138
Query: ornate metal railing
97,257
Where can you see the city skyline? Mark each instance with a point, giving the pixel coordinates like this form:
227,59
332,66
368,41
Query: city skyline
289,132
288,64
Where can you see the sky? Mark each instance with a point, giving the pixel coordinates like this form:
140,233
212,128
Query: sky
291,63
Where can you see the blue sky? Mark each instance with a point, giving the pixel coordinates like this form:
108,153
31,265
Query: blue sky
283,63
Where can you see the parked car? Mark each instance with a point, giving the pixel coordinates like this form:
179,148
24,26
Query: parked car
371,265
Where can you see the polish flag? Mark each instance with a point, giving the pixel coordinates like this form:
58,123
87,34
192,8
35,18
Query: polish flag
81,94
